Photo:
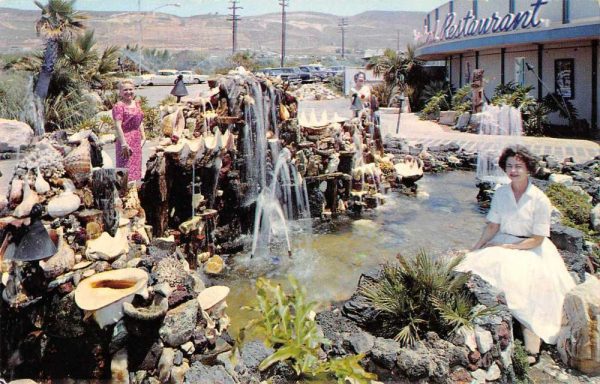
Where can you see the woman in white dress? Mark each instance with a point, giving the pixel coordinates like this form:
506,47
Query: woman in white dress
515,255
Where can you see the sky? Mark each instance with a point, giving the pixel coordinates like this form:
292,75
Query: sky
250,7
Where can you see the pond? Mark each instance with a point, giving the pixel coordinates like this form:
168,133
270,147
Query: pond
329,261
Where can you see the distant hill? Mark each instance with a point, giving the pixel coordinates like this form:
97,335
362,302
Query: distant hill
307,32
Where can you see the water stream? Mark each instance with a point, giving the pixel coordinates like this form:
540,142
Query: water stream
328,262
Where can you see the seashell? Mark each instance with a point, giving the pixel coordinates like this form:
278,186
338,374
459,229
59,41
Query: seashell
118,367
107,247
158,308
29,199
16,191
212,296
105,292
78,163
214,265
3,202
93,230
62,261
41,185
65,203
284,113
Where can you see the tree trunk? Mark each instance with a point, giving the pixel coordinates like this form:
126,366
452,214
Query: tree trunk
50,58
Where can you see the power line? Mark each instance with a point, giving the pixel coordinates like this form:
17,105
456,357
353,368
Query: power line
283,3
234,26
342,27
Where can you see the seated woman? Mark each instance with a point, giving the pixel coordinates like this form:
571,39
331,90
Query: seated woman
515,255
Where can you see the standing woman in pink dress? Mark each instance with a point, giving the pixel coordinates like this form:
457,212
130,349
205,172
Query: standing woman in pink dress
129,121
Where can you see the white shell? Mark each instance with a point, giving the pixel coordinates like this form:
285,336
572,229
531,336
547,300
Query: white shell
41,185
107,247
62,261
63,204
29,199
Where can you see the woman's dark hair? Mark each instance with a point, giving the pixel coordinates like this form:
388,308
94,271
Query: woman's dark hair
364,75
521,153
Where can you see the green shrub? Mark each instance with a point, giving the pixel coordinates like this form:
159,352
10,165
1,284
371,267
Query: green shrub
419,295
13,94
574,207
336,84
461,100
288,323
436,103
520,363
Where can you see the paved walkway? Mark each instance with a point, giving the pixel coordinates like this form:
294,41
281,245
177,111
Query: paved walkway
430,133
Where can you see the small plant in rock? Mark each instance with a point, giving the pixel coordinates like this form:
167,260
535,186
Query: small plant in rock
436,103
520,363
461,100
419,295
574,207
288,323
169,100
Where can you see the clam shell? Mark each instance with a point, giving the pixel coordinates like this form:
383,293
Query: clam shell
63,204
107,247
78,163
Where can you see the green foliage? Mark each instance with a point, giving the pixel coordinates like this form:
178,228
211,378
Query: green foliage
520,363
288,323
13,88
169,100
574,207
67,110
420,295
461,100
385,93
151,118
336,84
436,103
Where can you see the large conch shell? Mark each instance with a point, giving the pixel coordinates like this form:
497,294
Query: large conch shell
62,261
78,163
41,185
107,247
104,293
65,203
29,199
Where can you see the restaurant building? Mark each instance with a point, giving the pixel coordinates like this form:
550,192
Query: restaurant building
551,45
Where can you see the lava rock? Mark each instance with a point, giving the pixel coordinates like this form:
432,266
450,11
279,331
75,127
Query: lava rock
179,323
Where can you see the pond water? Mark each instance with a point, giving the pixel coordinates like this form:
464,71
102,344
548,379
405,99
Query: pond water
329,261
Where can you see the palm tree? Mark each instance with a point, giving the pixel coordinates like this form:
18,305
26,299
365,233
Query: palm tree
59,20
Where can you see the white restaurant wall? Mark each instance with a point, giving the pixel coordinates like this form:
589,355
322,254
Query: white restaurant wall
489,61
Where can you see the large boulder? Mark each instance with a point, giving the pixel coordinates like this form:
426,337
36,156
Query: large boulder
14,135
578,340
595,218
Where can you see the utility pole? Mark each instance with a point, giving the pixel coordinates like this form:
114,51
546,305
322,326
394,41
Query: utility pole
234,19
342,26
283,3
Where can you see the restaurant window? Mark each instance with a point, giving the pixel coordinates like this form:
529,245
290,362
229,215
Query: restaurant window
520,71
566,11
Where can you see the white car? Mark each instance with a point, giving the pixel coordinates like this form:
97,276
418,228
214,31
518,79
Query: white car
190,77
168,77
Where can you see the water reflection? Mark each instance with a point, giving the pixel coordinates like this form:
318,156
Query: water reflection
329,260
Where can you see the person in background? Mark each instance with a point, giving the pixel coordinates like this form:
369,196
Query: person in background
179,90
515,255
361,94
129,125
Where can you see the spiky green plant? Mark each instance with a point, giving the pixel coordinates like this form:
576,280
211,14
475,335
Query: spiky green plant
421,294
436,103
520,363
461,100
288,323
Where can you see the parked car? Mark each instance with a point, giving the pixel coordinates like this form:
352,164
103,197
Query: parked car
336,70
286,74
305,77
315,71
168,77
190,77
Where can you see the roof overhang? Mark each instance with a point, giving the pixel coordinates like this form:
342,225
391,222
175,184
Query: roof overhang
440,50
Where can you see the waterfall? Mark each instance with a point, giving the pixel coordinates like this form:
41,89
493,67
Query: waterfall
505,125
